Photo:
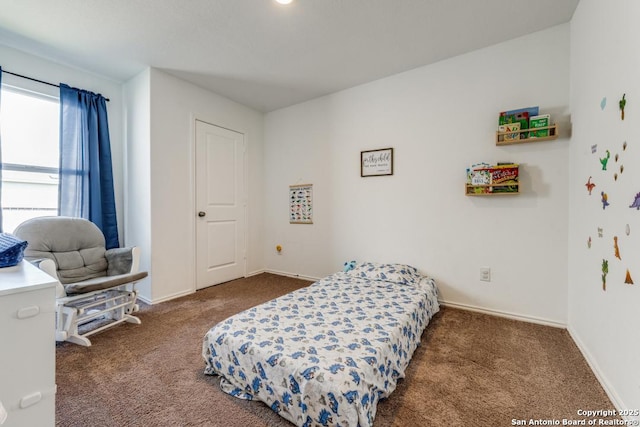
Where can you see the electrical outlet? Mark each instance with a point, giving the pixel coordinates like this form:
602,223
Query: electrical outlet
485,274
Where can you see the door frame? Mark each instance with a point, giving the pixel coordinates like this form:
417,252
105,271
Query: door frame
193,118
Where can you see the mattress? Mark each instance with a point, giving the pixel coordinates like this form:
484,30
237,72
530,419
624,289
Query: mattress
325,354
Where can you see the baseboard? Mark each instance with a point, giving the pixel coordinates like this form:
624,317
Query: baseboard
294,275
255,273
508,315
165,298
595,368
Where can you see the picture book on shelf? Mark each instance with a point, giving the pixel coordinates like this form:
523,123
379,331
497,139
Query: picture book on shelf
522,119
485,179
540,121
510,127
521,115
531,111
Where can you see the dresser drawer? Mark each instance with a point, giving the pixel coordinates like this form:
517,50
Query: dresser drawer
35,409
27,346
27,328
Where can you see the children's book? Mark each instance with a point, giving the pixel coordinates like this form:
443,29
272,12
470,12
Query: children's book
517,115
541,121
510,127
522,118
533,111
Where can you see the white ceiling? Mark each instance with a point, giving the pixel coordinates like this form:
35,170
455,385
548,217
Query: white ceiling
261,54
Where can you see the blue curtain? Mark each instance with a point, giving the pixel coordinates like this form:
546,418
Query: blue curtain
86,176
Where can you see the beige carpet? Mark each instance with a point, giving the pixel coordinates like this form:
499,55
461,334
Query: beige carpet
470,370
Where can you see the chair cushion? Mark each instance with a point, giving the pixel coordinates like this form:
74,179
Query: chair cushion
100,283
76,245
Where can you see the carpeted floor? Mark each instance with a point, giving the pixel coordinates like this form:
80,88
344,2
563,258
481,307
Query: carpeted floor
470,370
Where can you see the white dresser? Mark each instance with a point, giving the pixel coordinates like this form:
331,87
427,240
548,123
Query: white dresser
27,346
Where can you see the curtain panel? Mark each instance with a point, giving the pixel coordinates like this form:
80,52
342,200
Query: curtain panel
86,175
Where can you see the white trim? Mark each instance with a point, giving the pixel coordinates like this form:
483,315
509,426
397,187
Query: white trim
255,273
294,275
193,247
508,315
167,297
595,368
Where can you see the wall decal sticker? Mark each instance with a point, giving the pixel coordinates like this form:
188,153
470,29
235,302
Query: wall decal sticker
594,148
622,104
636,202
621,168
590,185
615,176
616,157
616,248
628,280
605,271
624,145
605,200
589,242
599,231
627,230
603,103
605,160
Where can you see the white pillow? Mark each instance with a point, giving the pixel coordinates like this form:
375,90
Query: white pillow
396,273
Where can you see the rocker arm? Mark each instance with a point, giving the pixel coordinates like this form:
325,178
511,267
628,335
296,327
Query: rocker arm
122,260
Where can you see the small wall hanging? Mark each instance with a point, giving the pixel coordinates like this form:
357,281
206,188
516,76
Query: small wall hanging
636,202
604,199
605,160
622,104
589,185
376,162
301,204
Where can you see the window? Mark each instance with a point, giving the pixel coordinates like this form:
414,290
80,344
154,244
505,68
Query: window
30,155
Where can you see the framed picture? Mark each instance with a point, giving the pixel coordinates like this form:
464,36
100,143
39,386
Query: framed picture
301,204
376,162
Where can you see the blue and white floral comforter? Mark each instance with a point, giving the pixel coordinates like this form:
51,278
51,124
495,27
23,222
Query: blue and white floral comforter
326,354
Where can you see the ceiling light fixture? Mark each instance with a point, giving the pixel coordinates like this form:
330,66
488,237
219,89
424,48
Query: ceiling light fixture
284,1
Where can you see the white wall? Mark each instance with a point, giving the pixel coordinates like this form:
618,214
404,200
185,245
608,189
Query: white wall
39,68
174,104
439,119
605,62
137,102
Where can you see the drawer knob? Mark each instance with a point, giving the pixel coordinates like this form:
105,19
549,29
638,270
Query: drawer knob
26,312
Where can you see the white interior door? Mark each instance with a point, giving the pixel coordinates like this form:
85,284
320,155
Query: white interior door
220,205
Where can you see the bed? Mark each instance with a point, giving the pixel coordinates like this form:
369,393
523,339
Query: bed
325,354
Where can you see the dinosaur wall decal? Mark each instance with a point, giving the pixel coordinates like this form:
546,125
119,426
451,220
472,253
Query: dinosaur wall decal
605,160
590,185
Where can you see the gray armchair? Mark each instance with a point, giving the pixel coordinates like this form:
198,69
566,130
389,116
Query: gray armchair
95,284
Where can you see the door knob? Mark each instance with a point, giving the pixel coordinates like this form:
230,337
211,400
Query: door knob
201,214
